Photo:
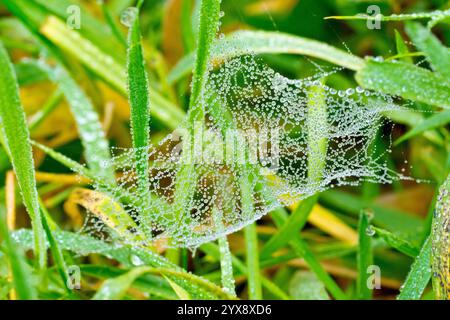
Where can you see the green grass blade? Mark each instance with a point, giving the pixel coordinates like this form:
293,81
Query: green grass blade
214,251
17,138
294,224
252,254
435,121
181,293
419,275
305,285
138,91
437,54
84,245
398,243
208,27
440,243
387,218
186,175
259,42
21,275
364,257
396,17
54,248
317,124
301,249
154,285
226,265
106,68
116,288
92,136
186,26
317,151
402,48
407,81
113,25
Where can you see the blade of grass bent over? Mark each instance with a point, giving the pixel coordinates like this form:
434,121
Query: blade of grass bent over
258,42
115,288
84,245
17,138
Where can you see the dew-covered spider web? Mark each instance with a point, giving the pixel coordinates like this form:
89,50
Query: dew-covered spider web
264,141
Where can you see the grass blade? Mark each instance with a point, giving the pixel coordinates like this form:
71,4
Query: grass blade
254,276
116,288
435,121
440,239
138,91
186,175
437,54
186,26
402,48
294,224
259,42
365,256
300,248
305,285
398,243
21,275
387,218
92,136
214,251
84,245
110,212
226,266
396,17
419,275
106,68
17,139
405,80
154,285
54,248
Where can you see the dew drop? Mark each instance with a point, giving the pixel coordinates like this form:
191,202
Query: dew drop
128,16
136,260
370,231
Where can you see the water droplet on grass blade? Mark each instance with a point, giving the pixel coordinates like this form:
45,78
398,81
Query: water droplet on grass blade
128,16
370,231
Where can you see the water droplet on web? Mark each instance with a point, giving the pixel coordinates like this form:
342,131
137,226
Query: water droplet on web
258,151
